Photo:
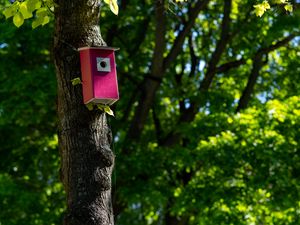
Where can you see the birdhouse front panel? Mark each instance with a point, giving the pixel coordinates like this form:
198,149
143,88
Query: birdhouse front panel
99,75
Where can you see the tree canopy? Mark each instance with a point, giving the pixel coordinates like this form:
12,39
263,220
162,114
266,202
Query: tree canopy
207,127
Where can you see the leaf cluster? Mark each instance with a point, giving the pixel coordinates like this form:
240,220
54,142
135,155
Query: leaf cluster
37,9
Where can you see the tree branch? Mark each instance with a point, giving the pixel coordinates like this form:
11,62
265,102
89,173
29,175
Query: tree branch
278,44
256,67
157,124
221,45
177,46
230,65
212,64
159,64
140,37
194,58
150,85
190,113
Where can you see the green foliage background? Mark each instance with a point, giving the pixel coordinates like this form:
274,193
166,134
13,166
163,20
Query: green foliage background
227,167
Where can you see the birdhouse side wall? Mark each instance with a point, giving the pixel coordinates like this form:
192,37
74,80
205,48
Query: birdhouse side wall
86,75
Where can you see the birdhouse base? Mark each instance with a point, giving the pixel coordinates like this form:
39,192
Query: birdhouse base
102,101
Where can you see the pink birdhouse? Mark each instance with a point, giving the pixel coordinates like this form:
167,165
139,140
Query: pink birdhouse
99,75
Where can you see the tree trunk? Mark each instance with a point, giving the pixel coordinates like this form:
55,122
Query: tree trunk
84,136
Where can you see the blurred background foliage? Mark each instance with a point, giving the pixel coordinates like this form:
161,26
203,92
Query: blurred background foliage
224,166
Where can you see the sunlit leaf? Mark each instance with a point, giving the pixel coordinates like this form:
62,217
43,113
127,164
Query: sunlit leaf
108,110
46,20
90,106
33,5
289,7
100,107
113,5
11,10
280,1
18,19
266,5
24,10
260,9
76,81
41,12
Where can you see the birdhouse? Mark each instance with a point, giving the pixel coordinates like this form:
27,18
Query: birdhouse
99,75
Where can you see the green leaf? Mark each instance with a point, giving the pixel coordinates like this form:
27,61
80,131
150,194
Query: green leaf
76,81
90,106
33,5
46,20
280,1
37,22
49,3
108,110
266,5
11,10
260,9
288,7
100,107
42,18
24,10
18,19
41,12
113,5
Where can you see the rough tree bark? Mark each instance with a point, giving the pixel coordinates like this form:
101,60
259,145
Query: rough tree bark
84,136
